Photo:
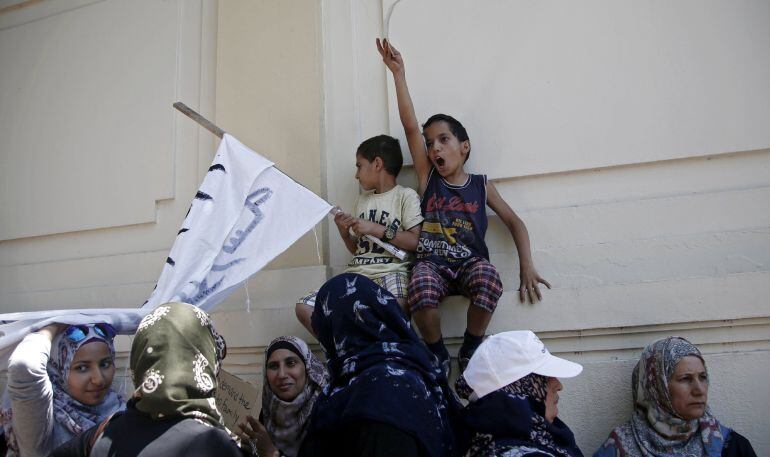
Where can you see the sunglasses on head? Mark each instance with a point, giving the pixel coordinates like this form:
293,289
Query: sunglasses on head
77,333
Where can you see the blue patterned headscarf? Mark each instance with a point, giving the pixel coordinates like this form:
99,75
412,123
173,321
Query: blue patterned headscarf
73,415
69,413
655,428
379,369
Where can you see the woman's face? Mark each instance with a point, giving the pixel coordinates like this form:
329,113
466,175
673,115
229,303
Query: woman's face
286,374
552,399
91,373
689,387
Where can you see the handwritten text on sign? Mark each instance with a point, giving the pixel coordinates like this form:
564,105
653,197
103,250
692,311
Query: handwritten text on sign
235,399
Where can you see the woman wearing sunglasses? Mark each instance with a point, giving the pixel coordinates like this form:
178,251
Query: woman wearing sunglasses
59,385
175,360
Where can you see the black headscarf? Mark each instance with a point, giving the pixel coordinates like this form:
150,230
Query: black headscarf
379,369
513,418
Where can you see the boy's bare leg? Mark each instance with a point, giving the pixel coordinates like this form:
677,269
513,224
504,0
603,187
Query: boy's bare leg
404,307
481,283
304,312
428,320
478,320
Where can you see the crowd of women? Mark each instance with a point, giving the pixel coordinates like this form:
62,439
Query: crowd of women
379,393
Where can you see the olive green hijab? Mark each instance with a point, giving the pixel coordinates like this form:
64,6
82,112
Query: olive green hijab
175,359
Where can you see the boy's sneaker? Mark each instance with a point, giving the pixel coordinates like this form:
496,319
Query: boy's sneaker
470,344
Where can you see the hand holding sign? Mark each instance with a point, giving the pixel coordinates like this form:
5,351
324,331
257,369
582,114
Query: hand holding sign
236,399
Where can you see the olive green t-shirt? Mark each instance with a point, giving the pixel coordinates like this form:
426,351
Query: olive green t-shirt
398,208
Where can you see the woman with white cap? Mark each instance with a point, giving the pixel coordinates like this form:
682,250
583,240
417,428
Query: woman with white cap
512,384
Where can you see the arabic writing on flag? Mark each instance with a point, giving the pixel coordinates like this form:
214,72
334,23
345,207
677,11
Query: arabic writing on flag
245,213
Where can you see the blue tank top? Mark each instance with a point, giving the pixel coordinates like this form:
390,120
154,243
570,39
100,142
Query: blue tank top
455,220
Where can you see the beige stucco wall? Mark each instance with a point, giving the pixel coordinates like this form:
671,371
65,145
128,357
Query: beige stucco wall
638,246
97,167
636,249
268,94
268,91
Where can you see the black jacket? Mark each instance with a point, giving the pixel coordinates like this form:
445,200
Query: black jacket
133,433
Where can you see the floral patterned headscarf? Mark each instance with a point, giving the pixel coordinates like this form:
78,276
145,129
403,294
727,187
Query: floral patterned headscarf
655,428
175,360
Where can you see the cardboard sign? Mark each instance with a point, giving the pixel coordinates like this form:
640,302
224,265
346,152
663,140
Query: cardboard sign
236,399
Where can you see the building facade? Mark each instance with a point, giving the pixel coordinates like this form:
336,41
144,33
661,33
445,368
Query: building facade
631,138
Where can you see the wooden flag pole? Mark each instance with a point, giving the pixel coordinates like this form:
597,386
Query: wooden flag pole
205,123
208,125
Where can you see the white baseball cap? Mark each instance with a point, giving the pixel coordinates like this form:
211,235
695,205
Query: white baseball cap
509,356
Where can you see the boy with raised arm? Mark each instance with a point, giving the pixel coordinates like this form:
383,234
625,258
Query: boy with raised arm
451,254
386,211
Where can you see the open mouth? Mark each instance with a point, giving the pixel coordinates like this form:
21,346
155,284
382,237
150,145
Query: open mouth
440,161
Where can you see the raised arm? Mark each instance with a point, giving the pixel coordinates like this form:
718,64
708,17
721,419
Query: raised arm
31,392
527,273
416,143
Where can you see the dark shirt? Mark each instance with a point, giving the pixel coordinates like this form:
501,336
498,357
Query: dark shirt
133,433
737,445
379,369
455,220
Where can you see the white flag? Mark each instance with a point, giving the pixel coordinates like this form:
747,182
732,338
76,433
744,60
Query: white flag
245,213
15,326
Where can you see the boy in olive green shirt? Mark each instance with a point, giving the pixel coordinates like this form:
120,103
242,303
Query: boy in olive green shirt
386,211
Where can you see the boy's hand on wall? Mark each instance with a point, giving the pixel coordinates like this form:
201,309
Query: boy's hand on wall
529,285
391,57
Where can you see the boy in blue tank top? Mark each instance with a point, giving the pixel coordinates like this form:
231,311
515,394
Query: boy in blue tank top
452,256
